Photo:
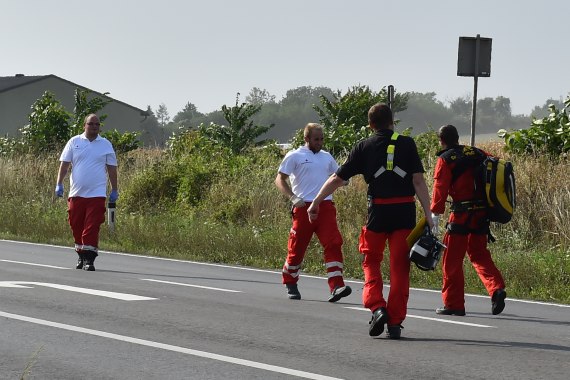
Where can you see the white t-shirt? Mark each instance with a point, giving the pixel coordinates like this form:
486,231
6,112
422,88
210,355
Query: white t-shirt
308,171
89,160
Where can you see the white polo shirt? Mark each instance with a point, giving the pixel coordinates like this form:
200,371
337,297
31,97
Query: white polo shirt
308,171
89,160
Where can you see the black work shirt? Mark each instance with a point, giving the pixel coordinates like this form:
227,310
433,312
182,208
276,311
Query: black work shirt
366,158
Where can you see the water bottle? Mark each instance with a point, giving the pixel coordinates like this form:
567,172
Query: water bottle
111,215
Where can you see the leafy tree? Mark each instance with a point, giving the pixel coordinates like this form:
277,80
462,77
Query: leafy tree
461,107
428,145
85,106
293,111
122,142
502,108
51,126
352,107
549,135
259,97
424,110
345,117
544,110
185,117
48,127
485,106
241,132
151,132
305,96
162,115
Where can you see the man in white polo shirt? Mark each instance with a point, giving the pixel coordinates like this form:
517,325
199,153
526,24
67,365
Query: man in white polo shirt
92,159
307,168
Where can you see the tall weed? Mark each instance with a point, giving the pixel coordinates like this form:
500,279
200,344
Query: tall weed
224,208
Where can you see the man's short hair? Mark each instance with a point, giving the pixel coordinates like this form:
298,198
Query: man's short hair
380,116
448,134
88,116
310,127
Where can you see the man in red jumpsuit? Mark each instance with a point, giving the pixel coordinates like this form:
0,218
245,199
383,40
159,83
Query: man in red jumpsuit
393,171
468,225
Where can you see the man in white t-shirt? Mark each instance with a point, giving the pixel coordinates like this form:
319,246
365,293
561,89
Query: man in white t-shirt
307,168
92,159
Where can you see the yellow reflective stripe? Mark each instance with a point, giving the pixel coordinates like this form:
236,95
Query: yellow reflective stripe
390,152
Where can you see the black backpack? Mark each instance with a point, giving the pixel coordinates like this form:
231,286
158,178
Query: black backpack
493,175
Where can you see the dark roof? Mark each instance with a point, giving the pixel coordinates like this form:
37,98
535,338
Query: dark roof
19,80
8,83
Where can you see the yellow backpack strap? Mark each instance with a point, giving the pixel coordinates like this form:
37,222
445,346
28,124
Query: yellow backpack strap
390,152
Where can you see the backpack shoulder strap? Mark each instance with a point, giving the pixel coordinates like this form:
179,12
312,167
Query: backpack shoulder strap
464,157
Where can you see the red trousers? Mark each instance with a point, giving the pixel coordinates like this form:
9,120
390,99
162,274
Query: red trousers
326,229
371,245
85,216
453,292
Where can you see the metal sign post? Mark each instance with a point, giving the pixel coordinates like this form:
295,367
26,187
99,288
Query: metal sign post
474,60
391,97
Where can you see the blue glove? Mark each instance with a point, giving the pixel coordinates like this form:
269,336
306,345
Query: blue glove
59,190
113,196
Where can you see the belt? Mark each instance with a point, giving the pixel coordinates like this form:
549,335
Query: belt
394,200
464,206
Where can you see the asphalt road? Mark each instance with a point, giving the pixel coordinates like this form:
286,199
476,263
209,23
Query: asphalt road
140,317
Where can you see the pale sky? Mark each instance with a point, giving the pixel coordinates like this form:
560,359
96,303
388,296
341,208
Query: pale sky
173,51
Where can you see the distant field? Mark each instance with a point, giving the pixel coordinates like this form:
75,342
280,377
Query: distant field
480,138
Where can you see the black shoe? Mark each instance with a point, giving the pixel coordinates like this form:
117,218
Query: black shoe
89,267
293,292
340,292
379,319
89,260
498,301
79,261
394,331
446,311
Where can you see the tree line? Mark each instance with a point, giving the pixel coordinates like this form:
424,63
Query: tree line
260,118
422,112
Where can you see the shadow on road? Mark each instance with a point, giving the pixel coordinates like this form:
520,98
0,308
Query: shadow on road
463,342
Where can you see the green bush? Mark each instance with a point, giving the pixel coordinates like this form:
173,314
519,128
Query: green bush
241,218
155,187
549,135
122,142
196,177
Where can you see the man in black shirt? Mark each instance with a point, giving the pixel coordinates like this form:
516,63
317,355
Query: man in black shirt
393,171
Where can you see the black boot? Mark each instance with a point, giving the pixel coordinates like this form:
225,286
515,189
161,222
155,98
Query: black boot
379,319
79,260
89,260
498,301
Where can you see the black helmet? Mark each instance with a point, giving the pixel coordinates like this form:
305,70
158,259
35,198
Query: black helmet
426,252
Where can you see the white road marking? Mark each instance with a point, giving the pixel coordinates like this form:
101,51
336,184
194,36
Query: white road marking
168,347
277,272
431,319
193,286
94,292
34,264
